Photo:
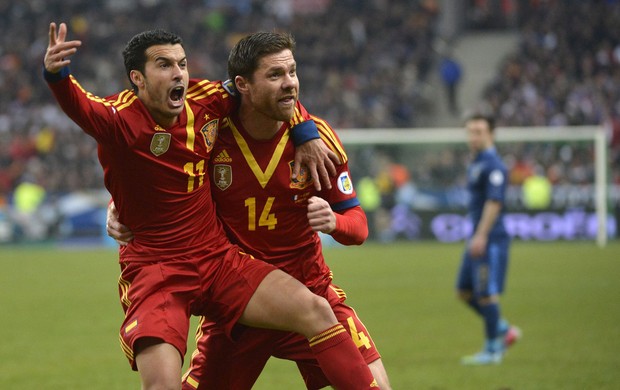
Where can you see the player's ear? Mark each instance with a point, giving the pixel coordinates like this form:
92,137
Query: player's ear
241,84
137,78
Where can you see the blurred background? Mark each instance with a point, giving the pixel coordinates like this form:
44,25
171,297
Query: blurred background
374,64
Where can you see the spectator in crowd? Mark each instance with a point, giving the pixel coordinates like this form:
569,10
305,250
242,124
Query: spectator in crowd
450,71
564,72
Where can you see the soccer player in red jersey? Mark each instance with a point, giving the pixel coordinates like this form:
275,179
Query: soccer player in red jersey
275,218
154,145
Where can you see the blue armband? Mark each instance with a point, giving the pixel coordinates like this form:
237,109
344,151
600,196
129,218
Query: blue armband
54,77
304,132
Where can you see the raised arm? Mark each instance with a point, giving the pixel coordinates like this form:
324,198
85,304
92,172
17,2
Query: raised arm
58,49
93,114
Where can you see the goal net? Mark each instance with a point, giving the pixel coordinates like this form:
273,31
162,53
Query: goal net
412,182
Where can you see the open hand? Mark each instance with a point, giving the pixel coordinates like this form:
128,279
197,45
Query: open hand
59,50
320,161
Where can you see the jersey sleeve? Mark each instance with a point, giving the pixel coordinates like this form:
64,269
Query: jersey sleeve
225,100
329,136
496,181
93,114
351,226
303,128
351,222
342,195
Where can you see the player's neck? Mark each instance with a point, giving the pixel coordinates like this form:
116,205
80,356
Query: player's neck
257,125
163,120
485,146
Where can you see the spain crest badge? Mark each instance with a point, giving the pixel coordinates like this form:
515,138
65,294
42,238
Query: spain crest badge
209,133
303,180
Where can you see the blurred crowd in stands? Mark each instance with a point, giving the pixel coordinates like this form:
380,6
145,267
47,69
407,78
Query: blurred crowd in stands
362,64
346,65
565,72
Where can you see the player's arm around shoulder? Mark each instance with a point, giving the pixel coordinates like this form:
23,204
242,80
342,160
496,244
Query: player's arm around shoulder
311,149
218,95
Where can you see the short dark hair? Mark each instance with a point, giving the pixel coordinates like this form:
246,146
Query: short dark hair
244,56
134,53
489,119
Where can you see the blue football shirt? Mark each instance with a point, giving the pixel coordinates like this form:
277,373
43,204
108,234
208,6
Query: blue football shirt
487,178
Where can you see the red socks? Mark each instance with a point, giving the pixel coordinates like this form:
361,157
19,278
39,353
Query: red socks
341,361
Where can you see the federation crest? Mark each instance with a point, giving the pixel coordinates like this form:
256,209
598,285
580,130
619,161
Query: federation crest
160,143
303,180
222,176
209,133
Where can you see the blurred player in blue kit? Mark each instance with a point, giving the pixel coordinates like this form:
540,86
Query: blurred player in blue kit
481,277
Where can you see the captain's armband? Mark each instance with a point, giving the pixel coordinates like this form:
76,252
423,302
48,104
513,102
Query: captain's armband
304,132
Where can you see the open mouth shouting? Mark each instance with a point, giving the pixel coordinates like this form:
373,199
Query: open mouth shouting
176,97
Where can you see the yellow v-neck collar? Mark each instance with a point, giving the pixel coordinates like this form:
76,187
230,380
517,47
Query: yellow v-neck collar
262,177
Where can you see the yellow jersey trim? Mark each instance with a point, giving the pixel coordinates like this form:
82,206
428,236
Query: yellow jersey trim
262,177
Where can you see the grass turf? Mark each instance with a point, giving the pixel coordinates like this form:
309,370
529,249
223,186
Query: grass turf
60,318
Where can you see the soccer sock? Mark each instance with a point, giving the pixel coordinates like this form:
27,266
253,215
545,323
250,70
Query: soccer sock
474,305
341,361
490,314
502,327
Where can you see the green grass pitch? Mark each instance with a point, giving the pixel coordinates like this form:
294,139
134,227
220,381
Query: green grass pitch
60,317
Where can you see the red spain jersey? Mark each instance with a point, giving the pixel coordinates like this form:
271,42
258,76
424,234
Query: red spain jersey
156,176
263,209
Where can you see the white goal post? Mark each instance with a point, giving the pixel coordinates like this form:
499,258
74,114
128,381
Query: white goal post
593,134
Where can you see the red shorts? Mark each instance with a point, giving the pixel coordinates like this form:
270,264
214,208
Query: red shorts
220,363
159,297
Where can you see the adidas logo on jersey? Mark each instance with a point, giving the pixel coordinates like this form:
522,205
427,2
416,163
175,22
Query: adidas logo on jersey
223,157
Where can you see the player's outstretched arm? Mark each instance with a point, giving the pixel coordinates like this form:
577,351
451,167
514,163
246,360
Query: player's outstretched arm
59,50
95,116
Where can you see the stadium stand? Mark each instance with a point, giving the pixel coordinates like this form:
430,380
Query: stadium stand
370,57
347,68
565,72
